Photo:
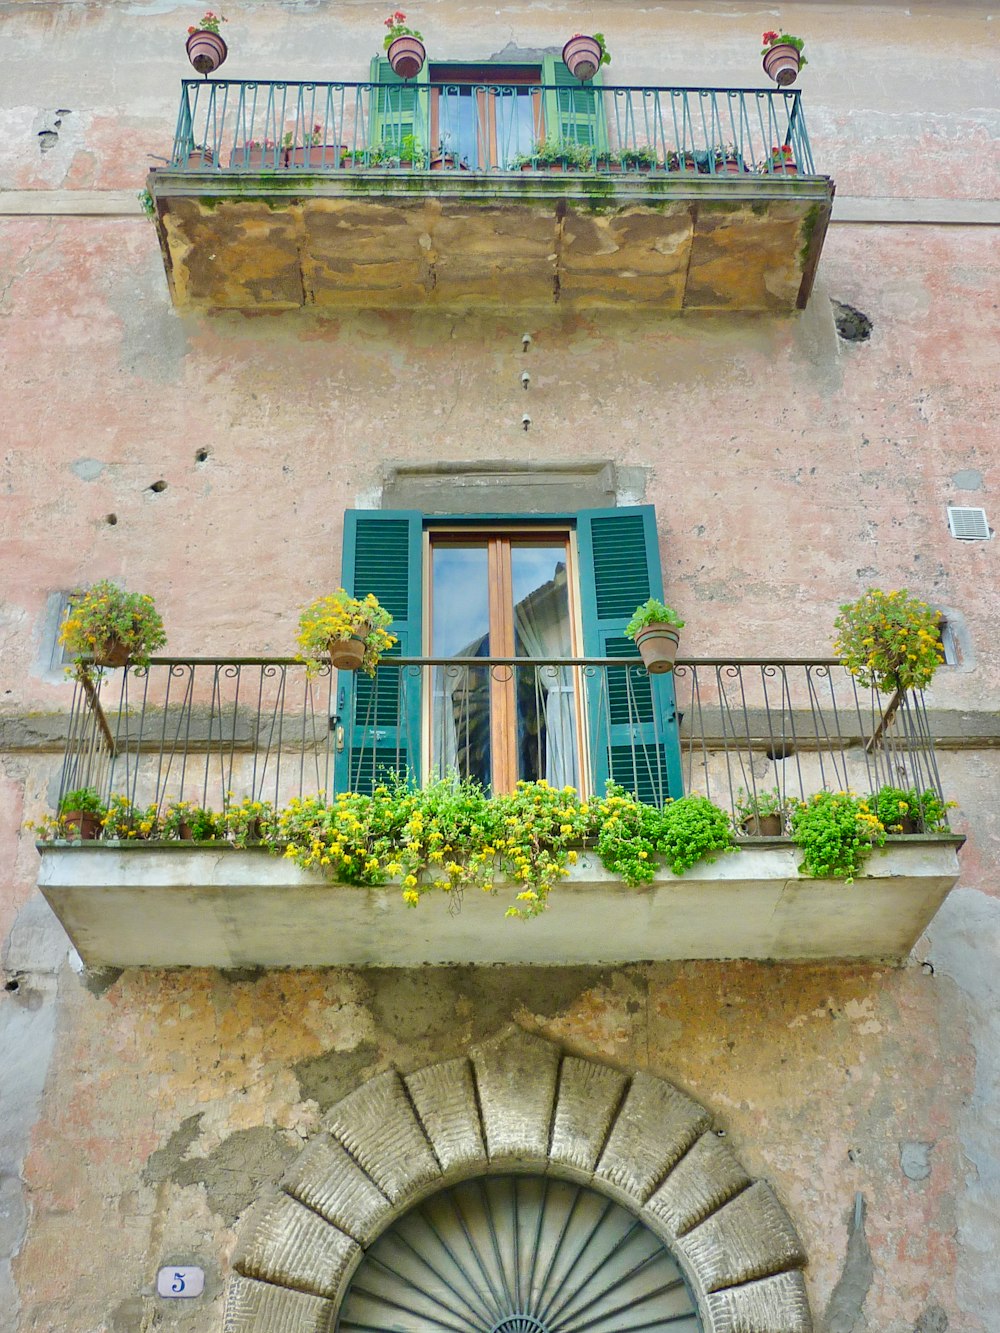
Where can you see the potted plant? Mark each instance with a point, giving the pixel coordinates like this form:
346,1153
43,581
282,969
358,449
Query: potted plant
200,156
583,56
608,163
258,155
780,163
555,155
184,821
246,822
728,160
312,152
889,640
676,161
350,632
783,57
125,821
205,47
654,628
907,810
761,813
81,812
837,832
637,159
404,47
112,627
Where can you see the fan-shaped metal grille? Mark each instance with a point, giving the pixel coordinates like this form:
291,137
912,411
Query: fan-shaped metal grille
518,1254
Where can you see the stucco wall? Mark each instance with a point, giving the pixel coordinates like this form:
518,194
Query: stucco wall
139,1115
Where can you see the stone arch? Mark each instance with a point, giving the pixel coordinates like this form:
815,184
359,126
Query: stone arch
517,1104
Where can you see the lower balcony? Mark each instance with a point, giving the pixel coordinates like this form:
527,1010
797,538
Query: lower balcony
458,192
221,734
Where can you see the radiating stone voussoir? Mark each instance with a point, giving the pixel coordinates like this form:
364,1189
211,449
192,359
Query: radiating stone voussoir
378,1127
516,1079
654,1128
260,1307
750,1237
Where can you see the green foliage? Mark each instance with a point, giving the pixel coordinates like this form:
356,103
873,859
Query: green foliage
925,808
247,821
652,612
126,822
837,832
889,640
784,39
146,204
85,799
395,25
637,157
106,614
692,829
557,152
605,54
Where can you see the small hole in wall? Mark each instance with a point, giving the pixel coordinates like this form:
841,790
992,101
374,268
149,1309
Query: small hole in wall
13,985
111,519
780,750
158,486
201,455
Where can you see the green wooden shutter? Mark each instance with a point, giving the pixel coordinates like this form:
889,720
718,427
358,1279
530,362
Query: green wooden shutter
383,554
398,107
632,717
574,111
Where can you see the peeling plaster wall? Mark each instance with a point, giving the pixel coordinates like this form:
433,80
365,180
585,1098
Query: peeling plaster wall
140,1113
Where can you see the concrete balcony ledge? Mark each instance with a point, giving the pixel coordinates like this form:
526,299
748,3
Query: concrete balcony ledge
183,905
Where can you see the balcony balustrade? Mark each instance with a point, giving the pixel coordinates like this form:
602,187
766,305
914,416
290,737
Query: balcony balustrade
215,731
281,194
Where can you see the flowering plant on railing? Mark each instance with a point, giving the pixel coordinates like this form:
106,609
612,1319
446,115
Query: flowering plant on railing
395,24
907,810
783,39
889,640
112,626
340,618
291,139
210,23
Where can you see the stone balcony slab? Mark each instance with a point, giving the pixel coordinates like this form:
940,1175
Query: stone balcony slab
178,905
370,239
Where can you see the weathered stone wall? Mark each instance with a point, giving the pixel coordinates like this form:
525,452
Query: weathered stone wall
141,1114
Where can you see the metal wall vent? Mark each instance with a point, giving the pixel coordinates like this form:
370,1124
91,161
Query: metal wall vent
968,525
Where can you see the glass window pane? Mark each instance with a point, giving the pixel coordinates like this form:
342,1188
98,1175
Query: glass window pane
546,706
460,721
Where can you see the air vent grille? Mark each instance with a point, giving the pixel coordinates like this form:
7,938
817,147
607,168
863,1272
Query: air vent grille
968,524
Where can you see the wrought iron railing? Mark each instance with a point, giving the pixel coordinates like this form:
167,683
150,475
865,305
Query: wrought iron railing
270,125
214,731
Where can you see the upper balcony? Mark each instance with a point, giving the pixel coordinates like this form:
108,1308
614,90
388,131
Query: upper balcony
460,191
216,732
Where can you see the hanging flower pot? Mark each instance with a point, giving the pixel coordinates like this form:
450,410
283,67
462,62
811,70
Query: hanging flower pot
206,50
113,653
657,646
348,653
654,629
783,57
407,56
583,56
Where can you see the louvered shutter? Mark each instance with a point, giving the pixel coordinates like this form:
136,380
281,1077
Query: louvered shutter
632,716
574,111
381,717
398,107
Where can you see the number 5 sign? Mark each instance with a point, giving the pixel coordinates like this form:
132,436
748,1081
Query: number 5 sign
179,1281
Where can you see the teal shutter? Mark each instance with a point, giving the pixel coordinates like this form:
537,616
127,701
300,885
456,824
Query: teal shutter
574,111
398,108
383,554
632,716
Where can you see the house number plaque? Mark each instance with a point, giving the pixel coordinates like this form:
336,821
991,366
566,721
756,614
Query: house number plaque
179,1281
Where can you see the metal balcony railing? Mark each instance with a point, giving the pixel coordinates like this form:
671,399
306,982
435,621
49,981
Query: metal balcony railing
214,731
269,125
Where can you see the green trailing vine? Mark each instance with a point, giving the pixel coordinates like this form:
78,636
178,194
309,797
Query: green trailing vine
837,832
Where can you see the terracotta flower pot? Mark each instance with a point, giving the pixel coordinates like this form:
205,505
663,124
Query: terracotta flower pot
906,824
657,646
348,654
406,55
582,57
784,168
317,155
781,63
258,159
114,653
82,824
730,166
206,50
762,826
185,833
199,158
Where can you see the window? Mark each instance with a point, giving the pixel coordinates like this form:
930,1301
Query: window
484,116
535,591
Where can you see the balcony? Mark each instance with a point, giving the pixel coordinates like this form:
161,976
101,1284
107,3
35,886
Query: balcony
282,194
214,731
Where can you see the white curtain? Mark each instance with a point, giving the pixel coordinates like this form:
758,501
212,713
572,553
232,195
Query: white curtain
541,621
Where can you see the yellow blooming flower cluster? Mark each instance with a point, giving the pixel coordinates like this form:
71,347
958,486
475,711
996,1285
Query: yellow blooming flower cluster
106,616
339,616
889,640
